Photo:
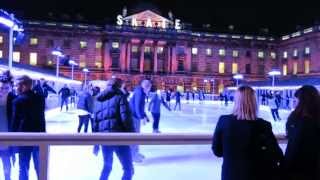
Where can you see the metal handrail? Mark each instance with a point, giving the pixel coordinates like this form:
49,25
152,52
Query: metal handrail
44,140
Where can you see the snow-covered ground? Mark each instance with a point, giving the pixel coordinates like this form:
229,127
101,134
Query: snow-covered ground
163,162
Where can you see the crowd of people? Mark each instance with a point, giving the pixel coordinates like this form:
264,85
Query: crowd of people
250,150
245,141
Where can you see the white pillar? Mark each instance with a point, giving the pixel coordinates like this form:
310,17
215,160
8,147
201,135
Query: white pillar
11,43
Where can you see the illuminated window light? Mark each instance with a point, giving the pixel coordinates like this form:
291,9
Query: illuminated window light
222,52
33,41
1,54
308,30
83,44
273,55
285,37
295,68
235,53
1,39
234,68
209,52
115,45
98,45
16,56
307,50
260,54
296,34
306,66
285,54
194,51
33,58
248,37
261,38
221,68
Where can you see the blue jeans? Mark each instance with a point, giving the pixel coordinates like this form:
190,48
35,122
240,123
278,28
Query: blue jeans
64,101
6,164
137,126
25,153
124,155
156,119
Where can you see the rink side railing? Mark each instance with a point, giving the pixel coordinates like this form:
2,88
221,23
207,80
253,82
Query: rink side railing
44,141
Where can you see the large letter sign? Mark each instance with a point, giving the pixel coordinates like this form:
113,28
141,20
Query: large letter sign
119,20
177,24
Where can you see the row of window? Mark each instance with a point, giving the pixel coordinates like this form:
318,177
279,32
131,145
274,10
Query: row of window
295,68
235,53
66,43
33,59
295,52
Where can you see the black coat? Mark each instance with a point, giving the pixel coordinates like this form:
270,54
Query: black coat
232,140
302,157
112,112
28,113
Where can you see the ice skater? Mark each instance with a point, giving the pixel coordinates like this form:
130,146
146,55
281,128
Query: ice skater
155,109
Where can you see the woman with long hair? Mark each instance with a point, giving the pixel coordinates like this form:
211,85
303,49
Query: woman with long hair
302,157
237,140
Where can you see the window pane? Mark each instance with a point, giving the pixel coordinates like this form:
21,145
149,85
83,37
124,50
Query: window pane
1,54
307,67
260,54
98,45
1,39
235,53
16,56
222,52
221,67
273,55
285,54
209,51
234,68
160,50
33,41
134,49
115,45
33,58
194,51
82,61
307,50
83,44
285,69
295,68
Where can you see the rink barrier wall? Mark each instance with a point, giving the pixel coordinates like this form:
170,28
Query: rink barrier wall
45,140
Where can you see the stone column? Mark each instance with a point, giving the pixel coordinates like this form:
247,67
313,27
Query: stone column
142,57
106,56
128,56
174,65
155,58
123,56
187,64
169,59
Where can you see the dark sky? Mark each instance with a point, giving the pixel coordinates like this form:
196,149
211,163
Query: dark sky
279,19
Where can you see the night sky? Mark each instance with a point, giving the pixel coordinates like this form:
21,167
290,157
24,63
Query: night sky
279,19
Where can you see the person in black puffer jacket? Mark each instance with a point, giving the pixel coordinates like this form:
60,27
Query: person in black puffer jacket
112,114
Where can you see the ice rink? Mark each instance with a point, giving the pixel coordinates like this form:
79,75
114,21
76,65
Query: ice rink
163,162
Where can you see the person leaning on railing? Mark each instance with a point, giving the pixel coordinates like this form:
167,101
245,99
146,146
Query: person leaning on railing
247,144
302,157
112,114
28,116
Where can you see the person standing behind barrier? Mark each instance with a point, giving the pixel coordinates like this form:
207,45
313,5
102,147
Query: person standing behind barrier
114,116
240,139
155,109
178,100
5,102
274,108
302,156
137,105
27,116
85,107
65,93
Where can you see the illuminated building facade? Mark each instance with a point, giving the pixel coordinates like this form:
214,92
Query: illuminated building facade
148,45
